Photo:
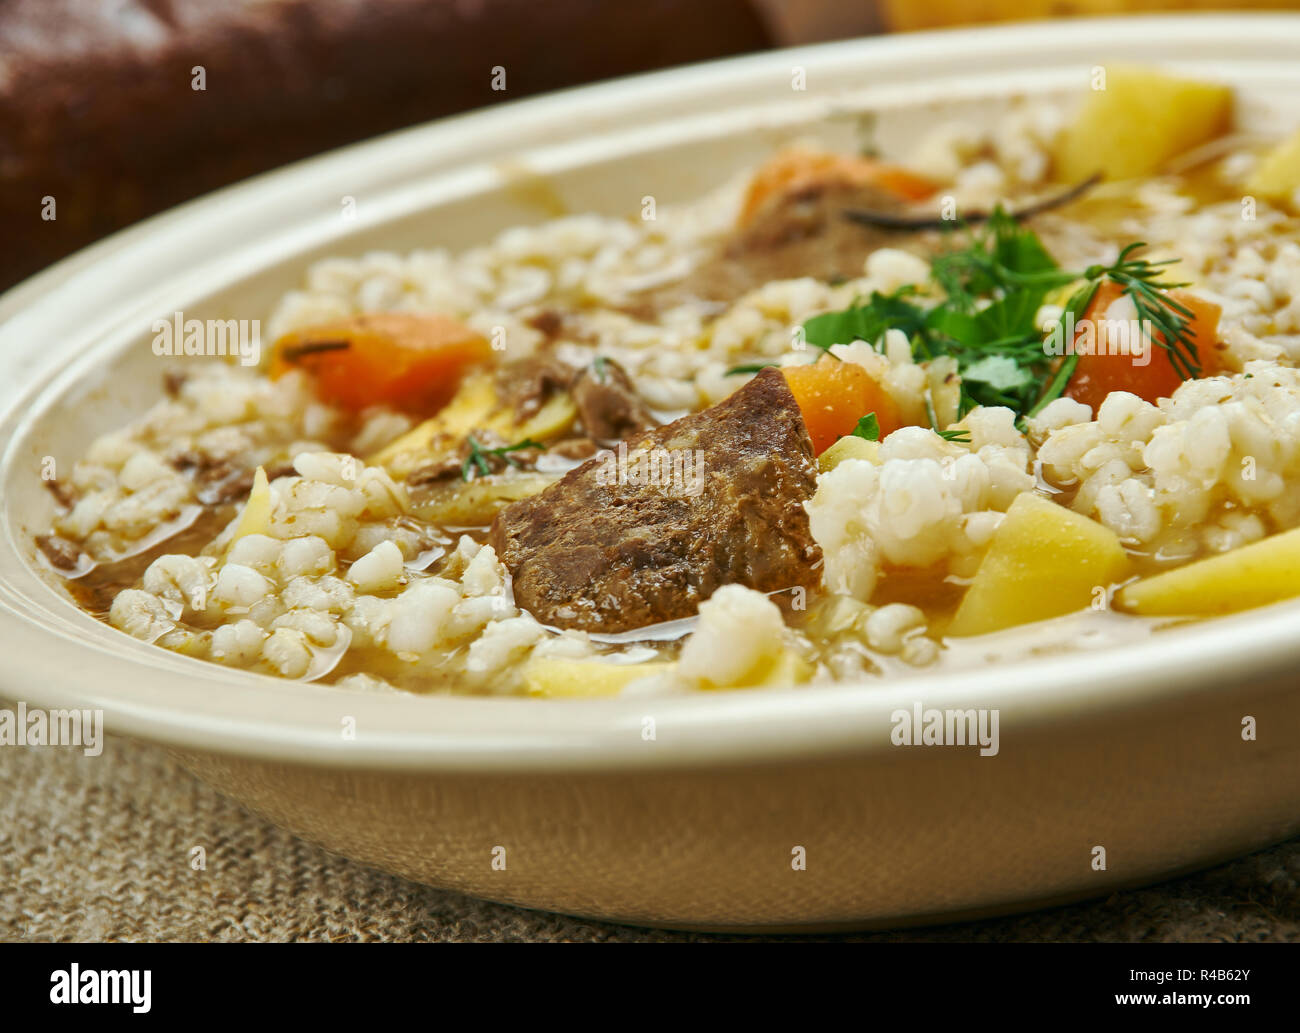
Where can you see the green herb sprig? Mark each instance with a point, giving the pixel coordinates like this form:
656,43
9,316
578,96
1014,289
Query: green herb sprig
991,290
478,462
1140,280
868,428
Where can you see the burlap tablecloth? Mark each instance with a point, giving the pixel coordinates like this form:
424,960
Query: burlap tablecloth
98,849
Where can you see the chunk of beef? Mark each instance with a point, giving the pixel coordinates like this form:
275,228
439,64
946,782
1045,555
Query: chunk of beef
603,551
525,385
801,233
608,405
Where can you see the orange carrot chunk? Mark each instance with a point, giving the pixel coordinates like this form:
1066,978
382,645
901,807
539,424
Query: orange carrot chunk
793,170
1098,374
834,395
410,361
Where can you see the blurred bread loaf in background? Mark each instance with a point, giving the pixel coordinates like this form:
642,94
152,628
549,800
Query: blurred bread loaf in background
116,109
99,108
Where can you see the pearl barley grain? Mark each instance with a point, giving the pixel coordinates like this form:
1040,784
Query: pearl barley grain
379,570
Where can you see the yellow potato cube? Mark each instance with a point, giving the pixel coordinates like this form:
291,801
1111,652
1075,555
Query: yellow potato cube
1044,561
1263,572
1138,122
1277,178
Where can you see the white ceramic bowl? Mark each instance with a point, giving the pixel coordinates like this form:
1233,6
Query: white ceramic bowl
1137,749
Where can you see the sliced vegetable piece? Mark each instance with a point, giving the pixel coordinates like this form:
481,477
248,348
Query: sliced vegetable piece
440,435
550,421
1277,177
558,678
1044,561
834,395
476,406
459,503
411,361
1138,121
1263,572
850,447
256,515
795,169
1097,375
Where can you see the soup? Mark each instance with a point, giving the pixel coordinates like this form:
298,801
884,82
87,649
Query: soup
848,417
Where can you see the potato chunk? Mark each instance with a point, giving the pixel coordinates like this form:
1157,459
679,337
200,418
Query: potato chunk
1044,561
1263,572
1277,178
1138,122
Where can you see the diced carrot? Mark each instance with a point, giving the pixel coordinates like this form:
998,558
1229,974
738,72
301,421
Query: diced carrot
1097,375
834,395
796,169
407,360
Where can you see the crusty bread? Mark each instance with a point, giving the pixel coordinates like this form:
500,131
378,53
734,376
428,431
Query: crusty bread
98,109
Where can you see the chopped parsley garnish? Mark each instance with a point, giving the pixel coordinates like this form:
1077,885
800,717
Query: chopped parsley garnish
868,428
866,322
478,462
992,289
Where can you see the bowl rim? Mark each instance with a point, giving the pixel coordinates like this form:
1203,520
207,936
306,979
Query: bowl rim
56,656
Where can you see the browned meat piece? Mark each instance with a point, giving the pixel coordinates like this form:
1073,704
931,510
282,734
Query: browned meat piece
573,448
221,480
525,385
548,321
217,480
603,551
803,233
608,404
